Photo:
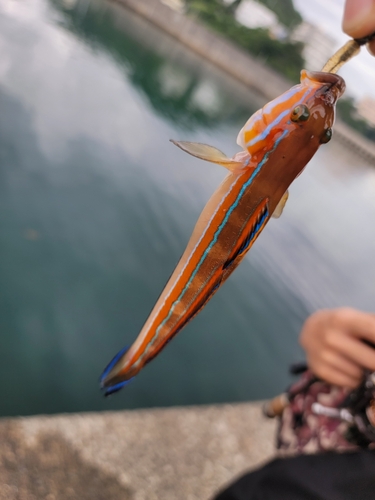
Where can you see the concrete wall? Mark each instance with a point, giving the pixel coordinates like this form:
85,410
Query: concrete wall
154,454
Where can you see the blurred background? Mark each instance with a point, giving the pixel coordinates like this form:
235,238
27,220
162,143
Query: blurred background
96,205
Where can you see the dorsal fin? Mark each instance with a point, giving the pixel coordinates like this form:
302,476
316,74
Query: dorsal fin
209,153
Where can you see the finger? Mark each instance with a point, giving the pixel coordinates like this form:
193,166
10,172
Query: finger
359,18
354,350
336,366
358,323
336,377
342,364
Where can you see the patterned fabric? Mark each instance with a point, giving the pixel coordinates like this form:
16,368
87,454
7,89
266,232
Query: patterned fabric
301,430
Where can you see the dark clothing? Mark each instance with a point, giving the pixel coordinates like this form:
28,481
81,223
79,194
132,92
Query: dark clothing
328,476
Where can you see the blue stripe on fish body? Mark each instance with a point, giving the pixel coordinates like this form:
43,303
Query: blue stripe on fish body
214,240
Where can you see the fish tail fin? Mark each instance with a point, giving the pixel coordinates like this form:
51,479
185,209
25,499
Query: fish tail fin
115,388
110,389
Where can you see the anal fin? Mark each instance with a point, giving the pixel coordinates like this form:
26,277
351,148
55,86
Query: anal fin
251,231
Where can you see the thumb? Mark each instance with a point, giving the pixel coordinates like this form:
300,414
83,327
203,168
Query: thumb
359,18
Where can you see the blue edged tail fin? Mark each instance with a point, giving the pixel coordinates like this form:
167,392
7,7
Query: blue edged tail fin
119,385
112,363
114,388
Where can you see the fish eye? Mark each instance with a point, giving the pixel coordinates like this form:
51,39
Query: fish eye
326,137
300,113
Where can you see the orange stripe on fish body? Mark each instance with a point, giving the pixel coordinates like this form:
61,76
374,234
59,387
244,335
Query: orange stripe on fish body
278,142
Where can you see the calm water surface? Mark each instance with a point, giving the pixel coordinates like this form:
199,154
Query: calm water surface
96,206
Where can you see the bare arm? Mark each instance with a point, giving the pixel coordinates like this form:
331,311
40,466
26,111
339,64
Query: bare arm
333,341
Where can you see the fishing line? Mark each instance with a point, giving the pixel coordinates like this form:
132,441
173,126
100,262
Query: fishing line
345,53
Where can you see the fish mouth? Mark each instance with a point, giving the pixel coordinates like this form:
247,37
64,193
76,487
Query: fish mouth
330,81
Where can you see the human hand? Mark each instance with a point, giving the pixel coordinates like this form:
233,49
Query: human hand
333,341
359,19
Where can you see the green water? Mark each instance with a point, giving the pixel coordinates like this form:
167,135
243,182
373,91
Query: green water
96,206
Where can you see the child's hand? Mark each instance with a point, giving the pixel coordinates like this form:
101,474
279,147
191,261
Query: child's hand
333,341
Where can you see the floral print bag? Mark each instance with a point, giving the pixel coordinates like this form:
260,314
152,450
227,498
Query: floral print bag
317,416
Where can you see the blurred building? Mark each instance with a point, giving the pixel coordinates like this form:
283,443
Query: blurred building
366,110
177,5
319,46
255,15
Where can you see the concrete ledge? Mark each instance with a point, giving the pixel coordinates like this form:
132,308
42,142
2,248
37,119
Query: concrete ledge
153,454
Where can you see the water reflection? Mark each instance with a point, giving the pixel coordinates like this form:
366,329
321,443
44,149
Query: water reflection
178,89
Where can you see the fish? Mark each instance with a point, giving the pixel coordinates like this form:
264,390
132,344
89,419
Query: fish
277,143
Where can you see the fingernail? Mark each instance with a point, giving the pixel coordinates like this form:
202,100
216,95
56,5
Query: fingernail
356,14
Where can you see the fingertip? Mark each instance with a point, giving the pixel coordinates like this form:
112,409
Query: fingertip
359,18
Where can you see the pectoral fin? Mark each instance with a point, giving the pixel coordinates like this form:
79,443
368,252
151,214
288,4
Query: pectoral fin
280,206
208,153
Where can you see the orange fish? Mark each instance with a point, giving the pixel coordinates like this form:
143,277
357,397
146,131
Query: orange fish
278,141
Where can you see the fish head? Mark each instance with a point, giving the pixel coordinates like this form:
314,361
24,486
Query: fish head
315,110
309,105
